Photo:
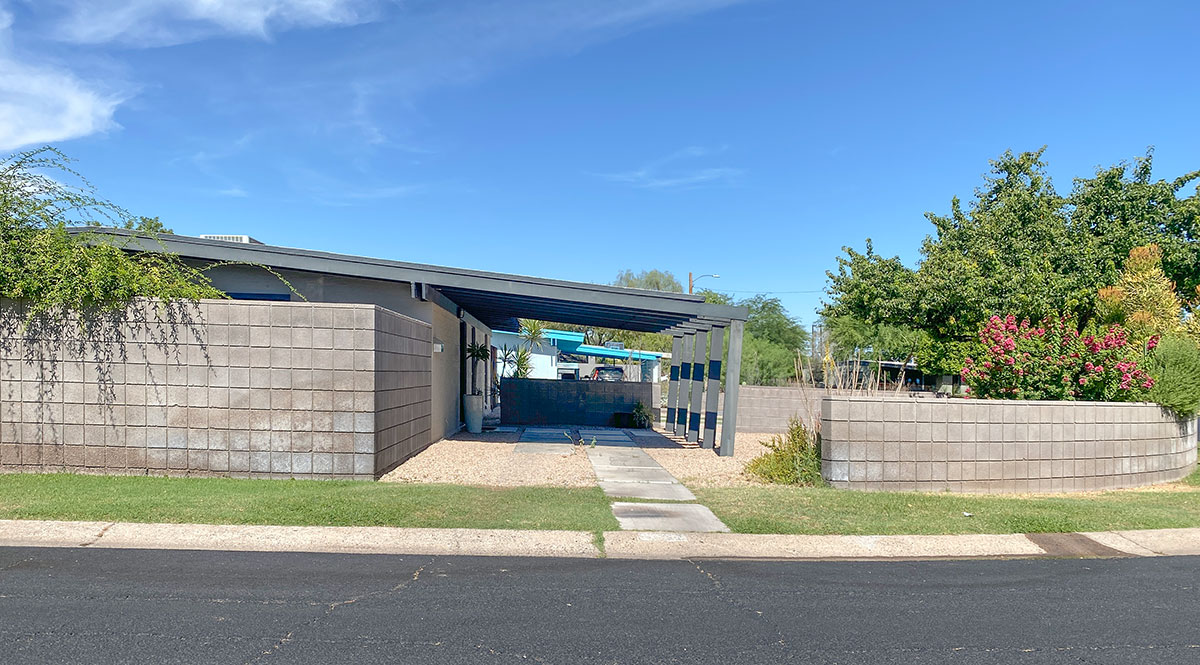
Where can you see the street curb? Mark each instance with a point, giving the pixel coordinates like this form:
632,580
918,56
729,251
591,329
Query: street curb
320,539
581,544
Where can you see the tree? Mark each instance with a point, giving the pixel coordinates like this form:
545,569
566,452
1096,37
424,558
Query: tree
651,280
1122,207
1011,252
1020,248
870,288
55,272
1143,300
769,321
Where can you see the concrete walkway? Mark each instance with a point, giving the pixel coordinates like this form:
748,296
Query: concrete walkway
545,441
617,544
625,470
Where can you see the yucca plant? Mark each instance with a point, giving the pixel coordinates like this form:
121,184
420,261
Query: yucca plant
476,352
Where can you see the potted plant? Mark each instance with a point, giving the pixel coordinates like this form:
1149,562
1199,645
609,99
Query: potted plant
473,402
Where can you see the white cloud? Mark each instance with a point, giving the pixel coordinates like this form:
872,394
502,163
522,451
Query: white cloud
423,46
165,22
664,173
43,104
235,192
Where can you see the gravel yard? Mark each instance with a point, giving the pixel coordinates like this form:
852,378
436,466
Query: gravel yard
697,467
488,460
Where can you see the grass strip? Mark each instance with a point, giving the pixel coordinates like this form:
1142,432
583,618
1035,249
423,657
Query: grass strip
824,510
300,502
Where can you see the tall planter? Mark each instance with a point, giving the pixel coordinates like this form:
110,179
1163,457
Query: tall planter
473,408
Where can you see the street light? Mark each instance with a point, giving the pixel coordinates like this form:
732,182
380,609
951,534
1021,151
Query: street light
692,282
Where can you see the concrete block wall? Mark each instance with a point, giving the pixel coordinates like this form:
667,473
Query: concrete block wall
555,402
767,409
237,388
403,388
905,444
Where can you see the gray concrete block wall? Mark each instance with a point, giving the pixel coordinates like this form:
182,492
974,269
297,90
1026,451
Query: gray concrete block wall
236,388
767,409
905,444
556,402
403,363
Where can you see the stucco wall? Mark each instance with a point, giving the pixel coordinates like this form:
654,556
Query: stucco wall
219,388
902,443
446,391
319,287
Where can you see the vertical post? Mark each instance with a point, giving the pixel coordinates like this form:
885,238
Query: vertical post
673,386
713,396
697,397
685,375
733,378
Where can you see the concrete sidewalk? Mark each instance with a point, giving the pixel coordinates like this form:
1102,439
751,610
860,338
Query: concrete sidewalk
581,544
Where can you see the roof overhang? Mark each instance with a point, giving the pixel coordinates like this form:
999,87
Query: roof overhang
496,299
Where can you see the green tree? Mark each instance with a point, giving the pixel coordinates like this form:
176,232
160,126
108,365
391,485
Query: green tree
1020,248
651,280
1011,252
769,321
1123,207
870,288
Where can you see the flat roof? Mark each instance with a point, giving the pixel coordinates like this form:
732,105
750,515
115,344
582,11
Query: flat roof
496,299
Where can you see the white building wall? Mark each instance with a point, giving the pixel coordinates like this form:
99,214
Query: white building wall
544,357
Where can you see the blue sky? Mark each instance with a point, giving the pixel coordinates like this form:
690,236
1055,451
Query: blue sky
747,138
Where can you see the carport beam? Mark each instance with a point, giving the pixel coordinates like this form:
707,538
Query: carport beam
673,386
696,406
733,378
685,375
713,396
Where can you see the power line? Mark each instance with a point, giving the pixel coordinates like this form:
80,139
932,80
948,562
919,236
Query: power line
765,293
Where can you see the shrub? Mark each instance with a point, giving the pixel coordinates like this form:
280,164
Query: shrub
1051,360
1175,365
794,458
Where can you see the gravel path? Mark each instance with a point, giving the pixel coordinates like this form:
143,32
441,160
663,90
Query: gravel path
488,460
697,467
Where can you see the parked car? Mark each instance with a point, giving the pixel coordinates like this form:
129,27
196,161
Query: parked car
608,373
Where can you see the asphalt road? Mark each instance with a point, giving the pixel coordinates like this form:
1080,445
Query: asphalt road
128,606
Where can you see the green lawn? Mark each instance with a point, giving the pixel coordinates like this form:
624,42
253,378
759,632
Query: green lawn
778,509
299,502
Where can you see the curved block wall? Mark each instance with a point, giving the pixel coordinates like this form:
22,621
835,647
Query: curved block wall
929,444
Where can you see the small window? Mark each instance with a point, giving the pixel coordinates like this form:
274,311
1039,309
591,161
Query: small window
260,296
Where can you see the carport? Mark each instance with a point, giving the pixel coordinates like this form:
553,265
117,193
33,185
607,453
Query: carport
701,332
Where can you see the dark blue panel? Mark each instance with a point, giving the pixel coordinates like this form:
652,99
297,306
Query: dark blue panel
260,296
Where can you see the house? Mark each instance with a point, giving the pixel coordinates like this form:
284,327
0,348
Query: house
322,365
563,355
